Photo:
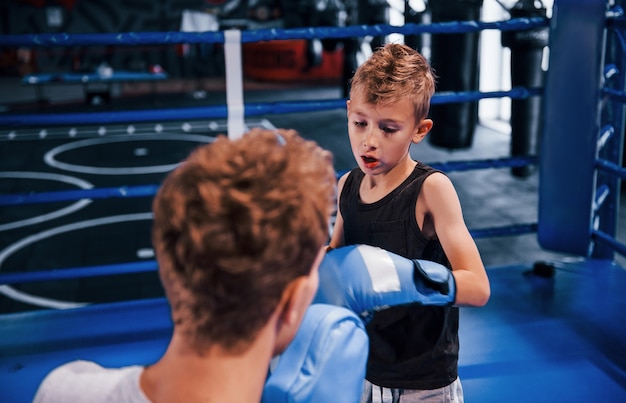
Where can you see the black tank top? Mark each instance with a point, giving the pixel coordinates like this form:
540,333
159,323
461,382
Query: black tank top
411,347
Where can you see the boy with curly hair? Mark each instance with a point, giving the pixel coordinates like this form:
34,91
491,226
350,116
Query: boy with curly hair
239,229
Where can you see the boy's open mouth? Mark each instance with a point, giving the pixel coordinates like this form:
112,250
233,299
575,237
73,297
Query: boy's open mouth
369,161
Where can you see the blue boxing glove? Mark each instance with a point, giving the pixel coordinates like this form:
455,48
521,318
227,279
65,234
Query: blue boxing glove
366,279
329,350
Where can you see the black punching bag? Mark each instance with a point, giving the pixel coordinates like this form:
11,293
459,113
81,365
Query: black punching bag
526,55
454,57
411,15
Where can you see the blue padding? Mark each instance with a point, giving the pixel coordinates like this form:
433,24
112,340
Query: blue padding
116,334
568,146
324,363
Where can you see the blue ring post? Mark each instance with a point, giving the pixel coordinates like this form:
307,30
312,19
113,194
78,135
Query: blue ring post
568,148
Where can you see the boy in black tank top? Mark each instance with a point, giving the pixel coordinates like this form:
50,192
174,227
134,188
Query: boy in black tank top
406,207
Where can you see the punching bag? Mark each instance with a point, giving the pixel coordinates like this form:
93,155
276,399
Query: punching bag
526,55
361,12
454,57
414,16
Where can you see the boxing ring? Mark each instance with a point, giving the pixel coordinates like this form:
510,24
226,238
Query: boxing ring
551,331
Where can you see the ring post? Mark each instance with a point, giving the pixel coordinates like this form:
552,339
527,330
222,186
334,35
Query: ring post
569,144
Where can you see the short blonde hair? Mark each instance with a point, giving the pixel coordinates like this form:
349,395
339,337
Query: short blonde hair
234,224
394,72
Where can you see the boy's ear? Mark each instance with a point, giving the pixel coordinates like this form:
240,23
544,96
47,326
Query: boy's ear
422,130
291,310
295,300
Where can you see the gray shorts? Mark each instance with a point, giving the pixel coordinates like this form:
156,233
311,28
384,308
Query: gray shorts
452,393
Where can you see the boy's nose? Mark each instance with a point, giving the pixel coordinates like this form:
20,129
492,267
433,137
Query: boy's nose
368,139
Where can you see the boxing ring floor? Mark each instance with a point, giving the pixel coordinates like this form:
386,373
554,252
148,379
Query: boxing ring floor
538,339
554,339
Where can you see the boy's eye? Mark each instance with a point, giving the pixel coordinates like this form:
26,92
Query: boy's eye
359,124
389,130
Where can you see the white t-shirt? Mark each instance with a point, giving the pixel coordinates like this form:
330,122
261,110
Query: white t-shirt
88,382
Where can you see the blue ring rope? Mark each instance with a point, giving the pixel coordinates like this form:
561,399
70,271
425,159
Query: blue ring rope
150,190
152,265
614,94
77,272
247,36
470,165
609,240
611,168
221,111
509,230
70,195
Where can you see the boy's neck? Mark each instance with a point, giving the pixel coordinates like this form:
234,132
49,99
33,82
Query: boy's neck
218,376
384,183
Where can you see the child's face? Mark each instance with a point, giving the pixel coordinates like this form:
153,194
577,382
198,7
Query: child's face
380,135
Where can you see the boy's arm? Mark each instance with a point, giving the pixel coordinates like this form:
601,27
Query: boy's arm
336,239
439,198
